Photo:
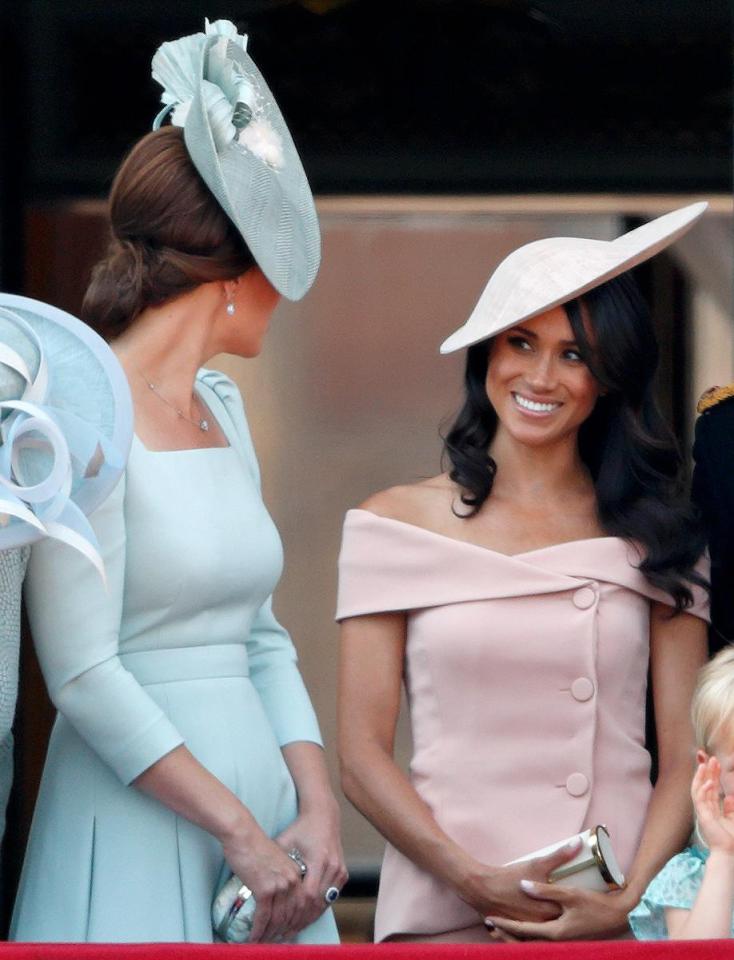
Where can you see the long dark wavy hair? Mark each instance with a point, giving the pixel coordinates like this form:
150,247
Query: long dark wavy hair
630,451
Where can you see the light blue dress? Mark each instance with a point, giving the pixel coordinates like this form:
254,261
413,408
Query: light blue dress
675,887
182,647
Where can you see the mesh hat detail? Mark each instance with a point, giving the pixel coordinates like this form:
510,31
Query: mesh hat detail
239,143
547,273
66,424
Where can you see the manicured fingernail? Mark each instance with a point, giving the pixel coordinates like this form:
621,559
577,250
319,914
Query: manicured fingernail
489,924
528,886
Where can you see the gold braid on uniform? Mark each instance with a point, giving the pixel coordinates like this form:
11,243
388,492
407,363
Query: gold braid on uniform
713,396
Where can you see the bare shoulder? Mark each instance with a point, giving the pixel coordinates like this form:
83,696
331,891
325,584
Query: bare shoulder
416,503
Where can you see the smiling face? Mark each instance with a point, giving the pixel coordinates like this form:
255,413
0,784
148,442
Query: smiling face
540,388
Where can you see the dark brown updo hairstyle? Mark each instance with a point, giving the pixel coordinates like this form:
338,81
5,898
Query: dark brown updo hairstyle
169,234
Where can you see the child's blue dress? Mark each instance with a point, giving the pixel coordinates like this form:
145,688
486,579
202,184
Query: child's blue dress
675,887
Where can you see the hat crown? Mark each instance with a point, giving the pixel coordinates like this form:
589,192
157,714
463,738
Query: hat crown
239,143
540,268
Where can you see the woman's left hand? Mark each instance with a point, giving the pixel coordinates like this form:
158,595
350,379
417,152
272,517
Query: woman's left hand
315,833
585,915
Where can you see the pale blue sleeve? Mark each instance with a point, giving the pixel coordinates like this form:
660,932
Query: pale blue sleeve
276,677
75,622
271,654
675,887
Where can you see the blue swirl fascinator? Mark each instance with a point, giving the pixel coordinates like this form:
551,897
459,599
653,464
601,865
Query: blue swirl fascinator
239,143
66,425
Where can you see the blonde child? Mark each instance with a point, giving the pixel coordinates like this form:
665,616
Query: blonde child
692,898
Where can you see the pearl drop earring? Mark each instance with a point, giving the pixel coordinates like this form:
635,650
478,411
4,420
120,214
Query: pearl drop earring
231,309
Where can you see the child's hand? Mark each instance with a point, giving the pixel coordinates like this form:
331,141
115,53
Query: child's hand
715,820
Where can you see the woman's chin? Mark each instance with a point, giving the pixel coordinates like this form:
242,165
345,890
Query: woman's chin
536,434
247,350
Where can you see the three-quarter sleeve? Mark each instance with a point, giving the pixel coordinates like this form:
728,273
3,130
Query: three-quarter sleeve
75,622
277,679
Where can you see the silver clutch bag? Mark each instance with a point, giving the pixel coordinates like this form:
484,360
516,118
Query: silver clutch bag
593,868
233,911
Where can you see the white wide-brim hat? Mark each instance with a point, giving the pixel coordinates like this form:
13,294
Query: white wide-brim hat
239,143
66,424
547,273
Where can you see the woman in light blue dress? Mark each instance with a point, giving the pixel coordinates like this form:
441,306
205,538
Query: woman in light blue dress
186,747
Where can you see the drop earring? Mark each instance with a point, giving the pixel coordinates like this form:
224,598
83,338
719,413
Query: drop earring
231,309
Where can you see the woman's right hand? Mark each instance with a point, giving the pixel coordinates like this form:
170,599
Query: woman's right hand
496,891
275,880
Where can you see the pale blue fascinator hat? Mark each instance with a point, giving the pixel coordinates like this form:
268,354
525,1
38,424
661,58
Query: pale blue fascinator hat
65,431
66,425
239,143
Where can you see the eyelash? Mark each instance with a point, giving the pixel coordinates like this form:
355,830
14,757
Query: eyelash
520,343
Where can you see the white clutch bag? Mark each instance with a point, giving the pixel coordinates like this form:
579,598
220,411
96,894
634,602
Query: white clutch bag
593,868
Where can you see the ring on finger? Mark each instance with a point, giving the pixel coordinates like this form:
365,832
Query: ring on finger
332,894
297,857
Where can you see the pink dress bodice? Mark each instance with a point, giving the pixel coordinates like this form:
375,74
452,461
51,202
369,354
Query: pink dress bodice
526,678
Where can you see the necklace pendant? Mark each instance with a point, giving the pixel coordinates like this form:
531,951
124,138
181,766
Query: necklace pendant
204,425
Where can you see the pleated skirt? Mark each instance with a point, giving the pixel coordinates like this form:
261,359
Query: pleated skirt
105,862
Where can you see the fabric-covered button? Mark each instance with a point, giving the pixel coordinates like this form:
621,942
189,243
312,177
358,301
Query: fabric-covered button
582,689
584,598
577,784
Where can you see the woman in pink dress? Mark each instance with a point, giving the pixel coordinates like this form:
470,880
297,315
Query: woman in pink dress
524,595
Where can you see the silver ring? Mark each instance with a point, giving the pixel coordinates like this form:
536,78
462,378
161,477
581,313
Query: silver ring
297,857
332,894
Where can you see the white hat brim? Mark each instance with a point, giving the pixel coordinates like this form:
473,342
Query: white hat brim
548,273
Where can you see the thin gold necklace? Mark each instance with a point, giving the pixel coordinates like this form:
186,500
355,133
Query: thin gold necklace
202,424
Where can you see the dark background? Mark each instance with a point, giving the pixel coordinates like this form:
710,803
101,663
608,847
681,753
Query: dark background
398,96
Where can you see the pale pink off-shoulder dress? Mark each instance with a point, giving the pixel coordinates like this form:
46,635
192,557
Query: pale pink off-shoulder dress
526,678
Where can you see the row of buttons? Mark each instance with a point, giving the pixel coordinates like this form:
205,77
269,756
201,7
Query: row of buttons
582,689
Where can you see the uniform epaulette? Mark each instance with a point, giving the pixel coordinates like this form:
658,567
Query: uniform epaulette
714,395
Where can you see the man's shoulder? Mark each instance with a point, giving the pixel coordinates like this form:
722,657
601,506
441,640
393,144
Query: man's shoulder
716,398
713,443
